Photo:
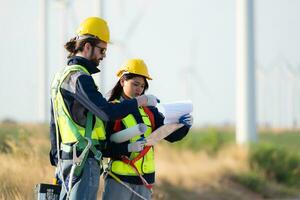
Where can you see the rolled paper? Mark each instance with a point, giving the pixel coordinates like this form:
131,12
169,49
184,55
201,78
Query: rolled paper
128,133
161,133
173,111
173,120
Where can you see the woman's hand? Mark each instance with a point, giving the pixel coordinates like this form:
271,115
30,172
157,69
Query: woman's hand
186,120
136,146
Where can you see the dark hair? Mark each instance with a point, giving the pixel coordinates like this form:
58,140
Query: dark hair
117,90
75,45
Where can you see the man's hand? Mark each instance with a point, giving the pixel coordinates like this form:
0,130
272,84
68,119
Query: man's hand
147,100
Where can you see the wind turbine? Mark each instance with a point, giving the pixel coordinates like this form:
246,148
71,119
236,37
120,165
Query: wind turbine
42,70
291,72
262,99
98,10
245,78
132,27
122,43
191,74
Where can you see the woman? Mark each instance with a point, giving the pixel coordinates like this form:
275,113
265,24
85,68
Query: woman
133,180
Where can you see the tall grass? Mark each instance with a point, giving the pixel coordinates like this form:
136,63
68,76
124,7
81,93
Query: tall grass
23,159
272,166
204,165
274,171
189,169
289,140
276,163
210,140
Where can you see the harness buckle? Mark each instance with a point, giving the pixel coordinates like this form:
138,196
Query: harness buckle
98,155
78,160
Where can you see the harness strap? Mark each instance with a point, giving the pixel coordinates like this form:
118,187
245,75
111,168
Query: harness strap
80,162
141,154
88,132
151,117
126,160
82,141
117,127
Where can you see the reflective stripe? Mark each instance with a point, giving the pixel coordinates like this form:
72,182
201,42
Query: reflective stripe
66,148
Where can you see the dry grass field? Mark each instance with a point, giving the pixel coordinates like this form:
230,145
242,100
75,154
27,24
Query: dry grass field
181,173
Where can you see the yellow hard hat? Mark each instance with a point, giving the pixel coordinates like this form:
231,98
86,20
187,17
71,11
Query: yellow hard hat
134,66
94,26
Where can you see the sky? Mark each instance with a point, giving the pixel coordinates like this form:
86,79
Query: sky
189,47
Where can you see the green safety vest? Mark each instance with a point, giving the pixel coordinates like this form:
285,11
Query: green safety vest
145,165
67,127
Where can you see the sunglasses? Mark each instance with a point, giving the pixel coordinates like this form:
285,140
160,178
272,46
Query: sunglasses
102,50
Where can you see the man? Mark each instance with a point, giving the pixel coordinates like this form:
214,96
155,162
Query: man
79,112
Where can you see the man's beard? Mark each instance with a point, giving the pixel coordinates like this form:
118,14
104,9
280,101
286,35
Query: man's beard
95,60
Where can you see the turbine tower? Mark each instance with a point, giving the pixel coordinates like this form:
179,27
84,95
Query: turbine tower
100,77
42,70
245,76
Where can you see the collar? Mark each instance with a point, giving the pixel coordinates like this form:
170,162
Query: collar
121,98
89,65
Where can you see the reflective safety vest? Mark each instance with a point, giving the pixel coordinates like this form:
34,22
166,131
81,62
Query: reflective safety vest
67,127
145,165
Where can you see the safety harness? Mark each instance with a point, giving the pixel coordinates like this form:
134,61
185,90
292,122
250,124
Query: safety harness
131,162
84,143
